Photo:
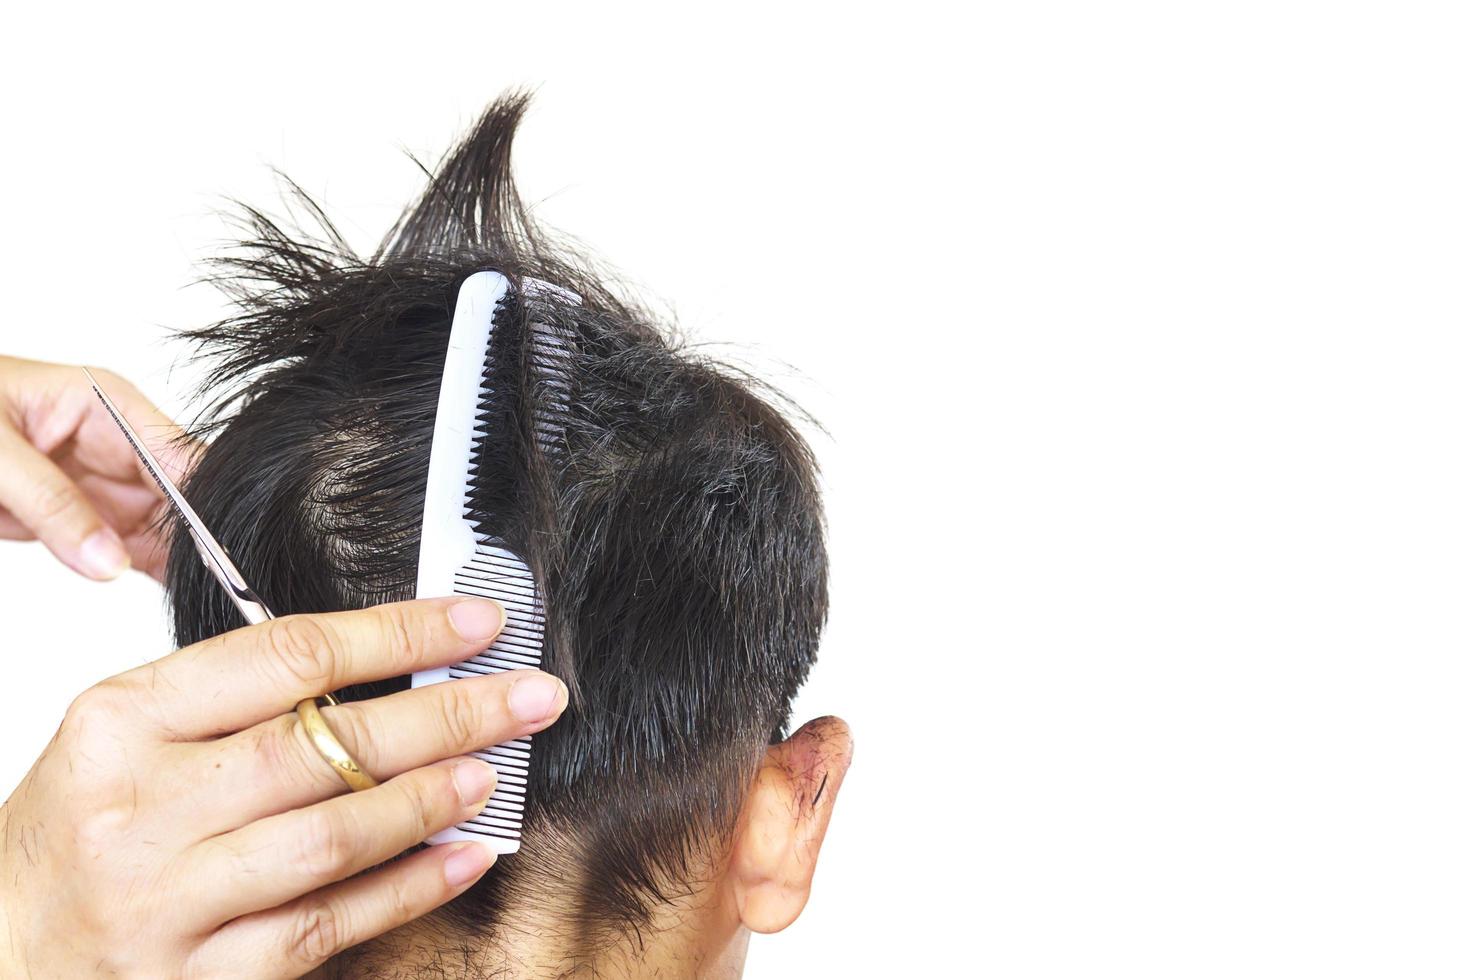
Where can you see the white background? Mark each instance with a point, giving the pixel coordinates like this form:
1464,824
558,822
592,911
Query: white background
1140,332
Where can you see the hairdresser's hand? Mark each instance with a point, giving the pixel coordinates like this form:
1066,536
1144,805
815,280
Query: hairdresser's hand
67,475
181,824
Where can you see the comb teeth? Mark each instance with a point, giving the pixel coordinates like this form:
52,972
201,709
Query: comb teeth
455,557
497,573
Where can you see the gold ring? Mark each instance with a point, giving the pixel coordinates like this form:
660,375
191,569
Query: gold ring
329,746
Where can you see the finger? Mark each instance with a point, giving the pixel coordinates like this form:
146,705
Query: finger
100,444
283,857
387,736
234,680
135,512
298,937
129,508
43,499
12,529
122,505
149,550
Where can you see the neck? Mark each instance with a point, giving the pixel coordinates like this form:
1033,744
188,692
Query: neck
699,937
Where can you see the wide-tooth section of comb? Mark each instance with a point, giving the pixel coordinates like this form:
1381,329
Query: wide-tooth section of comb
497,573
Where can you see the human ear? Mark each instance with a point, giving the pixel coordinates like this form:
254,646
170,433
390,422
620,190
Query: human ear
781,828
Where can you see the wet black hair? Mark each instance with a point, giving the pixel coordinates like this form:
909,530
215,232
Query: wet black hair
676,530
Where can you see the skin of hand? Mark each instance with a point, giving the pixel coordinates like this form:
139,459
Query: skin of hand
69,476
182,824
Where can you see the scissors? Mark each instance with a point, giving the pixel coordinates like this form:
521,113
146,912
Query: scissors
217,560
211,552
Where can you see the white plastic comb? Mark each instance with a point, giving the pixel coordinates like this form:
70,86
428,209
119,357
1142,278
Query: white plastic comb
454,558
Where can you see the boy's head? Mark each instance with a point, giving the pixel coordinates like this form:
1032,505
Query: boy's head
674,526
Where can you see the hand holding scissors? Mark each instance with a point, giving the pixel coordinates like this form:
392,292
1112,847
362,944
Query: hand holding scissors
68,480
184,821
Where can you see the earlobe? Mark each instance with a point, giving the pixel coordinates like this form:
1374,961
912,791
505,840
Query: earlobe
784,822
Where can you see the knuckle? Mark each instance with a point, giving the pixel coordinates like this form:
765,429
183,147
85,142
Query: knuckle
92,915
99,829
91,729
54,500
225,853
97,704
325,846
427,799
302,649
463,717
399,901
314,934
402,636
97,768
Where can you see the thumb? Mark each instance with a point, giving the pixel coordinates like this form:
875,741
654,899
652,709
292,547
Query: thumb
47,503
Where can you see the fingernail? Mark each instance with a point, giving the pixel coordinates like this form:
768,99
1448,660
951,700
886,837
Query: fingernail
536,698
103,555
477,619
467,862
473,780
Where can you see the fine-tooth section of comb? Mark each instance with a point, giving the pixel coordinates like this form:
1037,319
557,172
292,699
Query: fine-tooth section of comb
457,558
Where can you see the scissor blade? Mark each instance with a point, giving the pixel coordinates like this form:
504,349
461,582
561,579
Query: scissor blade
210,550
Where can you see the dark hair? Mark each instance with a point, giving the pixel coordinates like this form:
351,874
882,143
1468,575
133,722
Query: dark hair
676,530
